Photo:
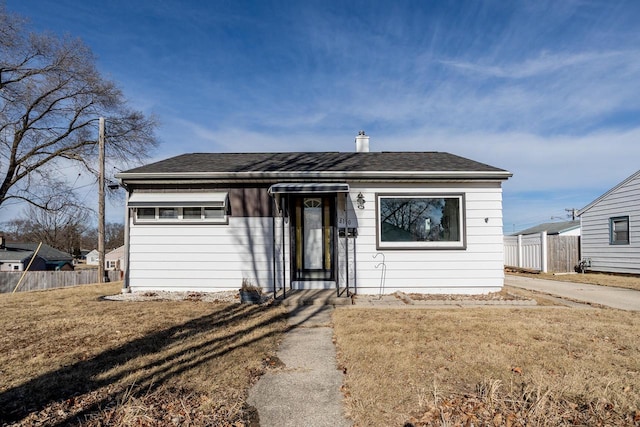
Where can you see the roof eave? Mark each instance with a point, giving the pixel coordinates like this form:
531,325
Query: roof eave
246,176
611,190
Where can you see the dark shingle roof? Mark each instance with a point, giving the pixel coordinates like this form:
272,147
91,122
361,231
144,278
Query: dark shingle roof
9,255
46,251
314,162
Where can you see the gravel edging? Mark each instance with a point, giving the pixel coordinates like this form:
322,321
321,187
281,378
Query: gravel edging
211,297
399,299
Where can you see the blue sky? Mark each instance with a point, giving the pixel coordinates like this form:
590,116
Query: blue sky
549,90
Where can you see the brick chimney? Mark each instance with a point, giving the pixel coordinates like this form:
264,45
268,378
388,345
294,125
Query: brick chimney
362,142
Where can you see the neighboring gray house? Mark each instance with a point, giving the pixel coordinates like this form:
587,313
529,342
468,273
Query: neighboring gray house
611,229
18,260
55,259
426,222
562,228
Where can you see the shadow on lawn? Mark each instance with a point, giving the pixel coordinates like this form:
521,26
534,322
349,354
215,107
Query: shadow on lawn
166,354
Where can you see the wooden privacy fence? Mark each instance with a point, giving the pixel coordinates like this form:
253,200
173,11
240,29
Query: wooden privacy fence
36,280
541,252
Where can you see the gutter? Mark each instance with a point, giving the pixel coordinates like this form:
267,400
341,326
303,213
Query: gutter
341,175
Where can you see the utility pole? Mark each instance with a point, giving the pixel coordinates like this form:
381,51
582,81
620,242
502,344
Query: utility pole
101,201
573,212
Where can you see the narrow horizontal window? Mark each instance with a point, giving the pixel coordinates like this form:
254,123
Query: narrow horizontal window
187,215
214,212
420,221
192,213
168,213
619,230
146,213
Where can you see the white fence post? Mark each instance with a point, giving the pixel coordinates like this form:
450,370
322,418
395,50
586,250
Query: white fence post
519,250
543,251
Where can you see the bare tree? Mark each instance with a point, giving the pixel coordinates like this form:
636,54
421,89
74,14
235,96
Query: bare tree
62,228
114,235
51,96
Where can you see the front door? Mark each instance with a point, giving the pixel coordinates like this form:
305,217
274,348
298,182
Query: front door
313,238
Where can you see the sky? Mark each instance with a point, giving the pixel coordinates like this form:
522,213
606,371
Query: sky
548,90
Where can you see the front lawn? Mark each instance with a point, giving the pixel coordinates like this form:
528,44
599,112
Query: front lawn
489,366
69,357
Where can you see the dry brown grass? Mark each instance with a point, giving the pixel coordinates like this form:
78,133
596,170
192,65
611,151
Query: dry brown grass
617,280
533,366
69,357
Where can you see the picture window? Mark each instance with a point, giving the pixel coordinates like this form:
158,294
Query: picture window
420,221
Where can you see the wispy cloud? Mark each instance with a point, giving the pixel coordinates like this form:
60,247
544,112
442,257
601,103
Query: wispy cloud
547,63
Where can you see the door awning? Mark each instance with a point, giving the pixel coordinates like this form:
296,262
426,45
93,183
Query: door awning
308,188
181,199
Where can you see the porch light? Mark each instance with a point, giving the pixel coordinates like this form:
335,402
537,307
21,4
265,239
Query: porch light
360,201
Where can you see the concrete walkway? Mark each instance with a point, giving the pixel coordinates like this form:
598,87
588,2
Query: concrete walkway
305,391
623,299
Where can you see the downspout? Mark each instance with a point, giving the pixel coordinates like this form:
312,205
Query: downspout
284,262
126,288
355,261
273,248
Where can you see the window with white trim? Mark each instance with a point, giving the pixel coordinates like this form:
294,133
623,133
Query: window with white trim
619,230
420,221
168,213
201,207
189,214
144,214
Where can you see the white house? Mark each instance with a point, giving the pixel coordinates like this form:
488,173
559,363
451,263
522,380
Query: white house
93,257
114,260
611,229
365,222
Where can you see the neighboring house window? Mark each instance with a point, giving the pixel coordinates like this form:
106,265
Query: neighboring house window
16,267
190,214
420,221
619,230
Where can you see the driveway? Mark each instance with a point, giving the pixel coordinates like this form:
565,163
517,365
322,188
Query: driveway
623,299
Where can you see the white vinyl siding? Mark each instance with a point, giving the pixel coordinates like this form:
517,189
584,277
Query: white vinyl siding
203,257
210,257
622,201
479,268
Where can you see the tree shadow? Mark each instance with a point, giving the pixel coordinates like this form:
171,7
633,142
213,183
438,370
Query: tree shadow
161,356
